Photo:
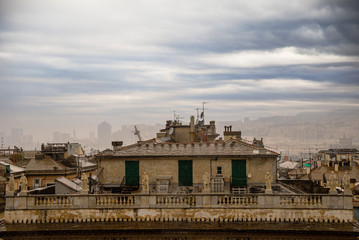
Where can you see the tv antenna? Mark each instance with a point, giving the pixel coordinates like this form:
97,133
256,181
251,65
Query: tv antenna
176,117
202,114
136,132
197,109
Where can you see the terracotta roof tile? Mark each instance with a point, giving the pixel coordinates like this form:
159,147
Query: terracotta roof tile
154,148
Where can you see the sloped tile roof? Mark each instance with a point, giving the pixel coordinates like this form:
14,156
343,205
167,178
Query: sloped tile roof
235,147
46,163
13,168
317,174
69,183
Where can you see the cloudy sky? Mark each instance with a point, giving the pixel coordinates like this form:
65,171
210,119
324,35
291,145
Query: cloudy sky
71,64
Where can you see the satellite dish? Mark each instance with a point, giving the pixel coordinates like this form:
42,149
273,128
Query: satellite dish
171,130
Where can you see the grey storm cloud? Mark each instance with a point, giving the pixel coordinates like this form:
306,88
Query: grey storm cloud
60,59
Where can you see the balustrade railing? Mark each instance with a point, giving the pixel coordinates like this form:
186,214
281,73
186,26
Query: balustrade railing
179,207
115,200
286,201
301,200
54,201
238,200
168,200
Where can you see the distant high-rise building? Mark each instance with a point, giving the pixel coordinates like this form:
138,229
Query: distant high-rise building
59,137
16,136
104,135
92,139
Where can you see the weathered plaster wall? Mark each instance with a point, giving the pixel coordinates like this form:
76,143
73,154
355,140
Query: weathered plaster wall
200,166
226,165
258,167
159,167
114,169
202,214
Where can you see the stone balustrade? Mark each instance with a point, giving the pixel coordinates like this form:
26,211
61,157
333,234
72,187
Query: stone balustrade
301,200
247,200
176,200
54,201
179,207
115,200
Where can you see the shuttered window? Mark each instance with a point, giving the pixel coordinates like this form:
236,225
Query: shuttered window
132,173
239,173
185,173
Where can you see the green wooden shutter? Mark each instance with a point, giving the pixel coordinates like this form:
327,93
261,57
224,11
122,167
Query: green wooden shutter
132,173
185,173
239,173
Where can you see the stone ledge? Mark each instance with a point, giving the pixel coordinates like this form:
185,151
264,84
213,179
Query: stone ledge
178,215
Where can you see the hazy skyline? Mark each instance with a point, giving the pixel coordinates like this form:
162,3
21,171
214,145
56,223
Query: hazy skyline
68,65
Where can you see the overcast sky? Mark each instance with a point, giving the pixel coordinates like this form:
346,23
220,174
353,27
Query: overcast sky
72,64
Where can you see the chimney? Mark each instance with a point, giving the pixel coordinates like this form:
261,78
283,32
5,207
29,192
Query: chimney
228,133
117,144
191,129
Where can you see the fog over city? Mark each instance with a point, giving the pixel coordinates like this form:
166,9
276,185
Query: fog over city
67,66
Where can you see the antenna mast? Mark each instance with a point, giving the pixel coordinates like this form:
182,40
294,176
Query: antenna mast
197,109
176,118
136,132
74,136
202,115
